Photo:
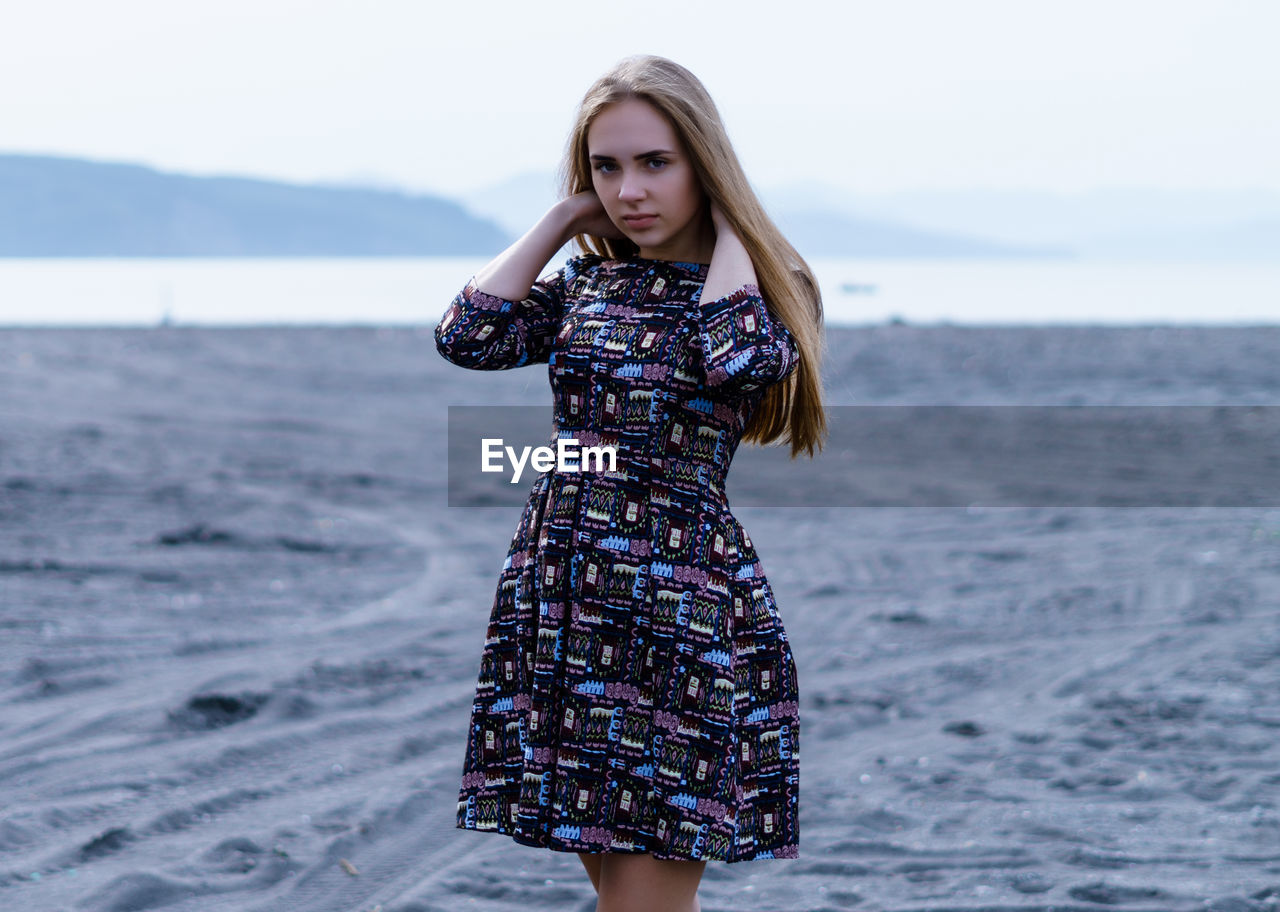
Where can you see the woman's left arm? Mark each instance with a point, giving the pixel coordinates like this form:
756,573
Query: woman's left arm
744,347
731,265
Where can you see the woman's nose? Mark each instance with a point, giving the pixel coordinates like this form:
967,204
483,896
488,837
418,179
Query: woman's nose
630,190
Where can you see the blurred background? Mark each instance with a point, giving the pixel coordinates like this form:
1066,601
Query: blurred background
326,162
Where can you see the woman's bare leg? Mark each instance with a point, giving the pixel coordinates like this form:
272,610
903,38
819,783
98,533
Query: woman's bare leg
591,861
641,883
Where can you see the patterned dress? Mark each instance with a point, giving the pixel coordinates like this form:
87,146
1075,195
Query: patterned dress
637,692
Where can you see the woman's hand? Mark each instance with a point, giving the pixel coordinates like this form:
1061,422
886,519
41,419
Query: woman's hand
731,265
587,216
511,274
719,220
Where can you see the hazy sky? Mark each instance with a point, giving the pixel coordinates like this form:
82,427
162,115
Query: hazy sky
866,95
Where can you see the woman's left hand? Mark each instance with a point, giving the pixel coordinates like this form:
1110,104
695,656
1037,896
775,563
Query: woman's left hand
718,218
731,265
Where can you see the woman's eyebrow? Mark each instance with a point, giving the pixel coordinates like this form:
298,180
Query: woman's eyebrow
638,157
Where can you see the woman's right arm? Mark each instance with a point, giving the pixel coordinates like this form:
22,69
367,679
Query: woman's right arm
505,316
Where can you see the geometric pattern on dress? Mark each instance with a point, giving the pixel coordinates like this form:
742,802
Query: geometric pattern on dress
636,690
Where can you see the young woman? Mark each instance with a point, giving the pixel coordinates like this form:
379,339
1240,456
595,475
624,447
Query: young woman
638,699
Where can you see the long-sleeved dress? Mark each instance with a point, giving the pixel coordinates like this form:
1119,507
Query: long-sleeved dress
637,692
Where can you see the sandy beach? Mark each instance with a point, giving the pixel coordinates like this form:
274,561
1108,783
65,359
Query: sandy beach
240,630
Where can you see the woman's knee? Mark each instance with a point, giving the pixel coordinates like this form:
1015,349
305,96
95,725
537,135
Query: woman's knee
591,861
641,883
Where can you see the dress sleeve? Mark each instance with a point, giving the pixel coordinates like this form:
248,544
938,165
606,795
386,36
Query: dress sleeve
743,347
484,332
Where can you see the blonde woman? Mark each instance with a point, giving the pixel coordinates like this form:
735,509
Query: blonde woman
638,698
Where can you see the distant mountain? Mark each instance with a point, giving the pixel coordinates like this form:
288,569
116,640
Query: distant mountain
831,234
53,206
1104,223
1255,241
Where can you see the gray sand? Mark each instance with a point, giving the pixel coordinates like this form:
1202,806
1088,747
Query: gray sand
240,631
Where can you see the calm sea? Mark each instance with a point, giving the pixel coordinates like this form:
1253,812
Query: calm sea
399,291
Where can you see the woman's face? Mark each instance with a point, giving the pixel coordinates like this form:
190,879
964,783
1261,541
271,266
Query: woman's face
647,184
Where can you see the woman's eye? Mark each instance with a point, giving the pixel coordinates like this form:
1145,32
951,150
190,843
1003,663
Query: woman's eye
657,161
603,166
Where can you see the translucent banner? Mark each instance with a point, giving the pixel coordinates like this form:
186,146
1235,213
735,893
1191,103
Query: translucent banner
929,456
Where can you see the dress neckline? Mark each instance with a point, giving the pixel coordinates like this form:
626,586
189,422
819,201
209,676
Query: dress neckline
696,267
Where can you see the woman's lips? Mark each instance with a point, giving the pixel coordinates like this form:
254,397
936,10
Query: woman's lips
639,221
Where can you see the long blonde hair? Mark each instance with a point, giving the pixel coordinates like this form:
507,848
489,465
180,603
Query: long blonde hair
787,284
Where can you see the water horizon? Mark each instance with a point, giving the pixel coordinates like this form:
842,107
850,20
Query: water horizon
414,291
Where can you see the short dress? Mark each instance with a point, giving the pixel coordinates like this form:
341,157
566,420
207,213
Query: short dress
637,692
